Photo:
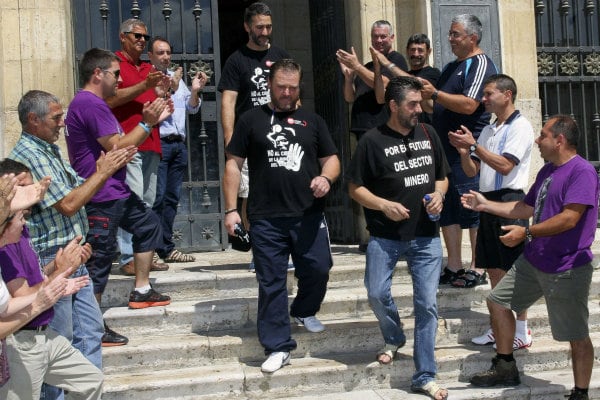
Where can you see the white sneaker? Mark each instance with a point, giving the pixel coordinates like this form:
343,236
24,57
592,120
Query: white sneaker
275,361
521,341
486,338
312,324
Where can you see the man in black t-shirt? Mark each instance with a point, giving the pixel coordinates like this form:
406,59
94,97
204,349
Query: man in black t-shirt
393,168
418,50
292,163
358,79
243,82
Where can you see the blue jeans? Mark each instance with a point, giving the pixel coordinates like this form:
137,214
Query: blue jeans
141,179
79,319
171,171
424,258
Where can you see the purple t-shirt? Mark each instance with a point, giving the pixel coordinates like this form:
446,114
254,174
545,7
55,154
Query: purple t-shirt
574,182
88,119
19,260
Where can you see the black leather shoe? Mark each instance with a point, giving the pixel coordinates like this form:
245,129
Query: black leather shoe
112,338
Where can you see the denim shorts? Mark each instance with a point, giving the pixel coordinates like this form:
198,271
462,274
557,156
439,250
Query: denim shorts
566,295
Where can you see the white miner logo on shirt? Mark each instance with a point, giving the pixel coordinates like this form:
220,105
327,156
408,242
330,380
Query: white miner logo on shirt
405,158
285,154
260,93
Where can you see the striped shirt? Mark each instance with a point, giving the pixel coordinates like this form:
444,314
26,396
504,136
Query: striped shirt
49,228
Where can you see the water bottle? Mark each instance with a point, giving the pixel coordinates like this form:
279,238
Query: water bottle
432,217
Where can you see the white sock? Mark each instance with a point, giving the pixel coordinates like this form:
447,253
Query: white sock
143,289
521,327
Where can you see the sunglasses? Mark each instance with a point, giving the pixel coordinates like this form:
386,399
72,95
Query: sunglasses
138,36
114,73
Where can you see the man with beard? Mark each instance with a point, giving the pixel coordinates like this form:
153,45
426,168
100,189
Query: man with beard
394,167
91,130
243,81
418,50
292,164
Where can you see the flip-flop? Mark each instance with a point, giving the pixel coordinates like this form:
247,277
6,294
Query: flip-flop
431,389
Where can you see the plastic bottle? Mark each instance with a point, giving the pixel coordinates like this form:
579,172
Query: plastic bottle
432,217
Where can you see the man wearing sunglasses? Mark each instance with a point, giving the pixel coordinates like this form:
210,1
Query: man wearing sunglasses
139,84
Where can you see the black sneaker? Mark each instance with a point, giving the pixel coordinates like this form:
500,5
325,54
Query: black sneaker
112,338
577,395
150,299
502,373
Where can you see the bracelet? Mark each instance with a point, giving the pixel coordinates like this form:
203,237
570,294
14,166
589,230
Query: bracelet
229,211
145,126
390,66
441,194
328,180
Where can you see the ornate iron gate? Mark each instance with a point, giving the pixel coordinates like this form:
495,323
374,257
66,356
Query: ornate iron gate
191,26
568,56
328,34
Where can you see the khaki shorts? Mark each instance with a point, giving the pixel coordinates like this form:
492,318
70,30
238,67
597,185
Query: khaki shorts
566,295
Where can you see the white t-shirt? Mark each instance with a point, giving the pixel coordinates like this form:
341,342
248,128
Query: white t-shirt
514,141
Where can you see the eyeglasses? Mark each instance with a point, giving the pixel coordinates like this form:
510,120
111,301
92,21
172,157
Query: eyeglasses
138,36
455,35
114,73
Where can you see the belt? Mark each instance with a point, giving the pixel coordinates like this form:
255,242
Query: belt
40,328
173,138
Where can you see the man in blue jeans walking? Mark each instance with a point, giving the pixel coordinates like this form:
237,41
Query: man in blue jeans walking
394,166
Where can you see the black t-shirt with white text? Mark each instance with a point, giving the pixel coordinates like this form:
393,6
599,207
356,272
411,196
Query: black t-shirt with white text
246,72
283,151
403,170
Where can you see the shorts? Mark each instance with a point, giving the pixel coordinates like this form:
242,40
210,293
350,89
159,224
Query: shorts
453,212
490,252
566,295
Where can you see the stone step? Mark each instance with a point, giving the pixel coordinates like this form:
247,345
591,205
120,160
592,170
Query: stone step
188,282
359,334
334,373
545,385
238,309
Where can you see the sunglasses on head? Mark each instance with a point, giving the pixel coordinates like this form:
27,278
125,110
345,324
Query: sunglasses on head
138,36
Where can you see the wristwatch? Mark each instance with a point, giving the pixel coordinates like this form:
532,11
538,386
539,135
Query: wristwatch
434,95
473,147
528,234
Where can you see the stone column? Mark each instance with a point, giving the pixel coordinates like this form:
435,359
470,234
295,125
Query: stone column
36,52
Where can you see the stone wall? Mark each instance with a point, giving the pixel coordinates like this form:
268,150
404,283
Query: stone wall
35,53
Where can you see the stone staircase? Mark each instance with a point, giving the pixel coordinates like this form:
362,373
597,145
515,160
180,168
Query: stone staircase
204,345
